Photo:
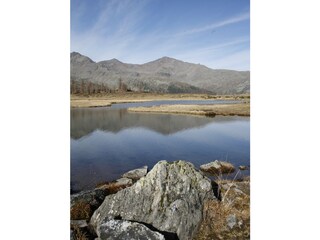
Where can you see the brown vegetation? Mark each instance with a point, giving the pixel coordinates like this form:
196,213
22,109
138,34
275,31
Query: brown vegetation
111,187
157,96
79,234
101,99
87,88
241,109
235,204
81,210
76,103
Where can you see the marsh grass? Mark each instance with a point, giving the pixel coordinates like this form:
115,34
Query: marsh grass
233,200
111,187
238,109
106,99
80,210
214,225
79,234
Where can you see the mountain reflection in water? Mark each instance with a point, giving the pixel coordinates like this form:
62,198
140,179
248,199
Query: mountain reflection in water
107,142
84,121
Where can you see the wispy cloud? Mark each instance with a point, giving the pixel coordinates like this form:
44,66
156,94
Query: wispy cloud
239,60
205,51
113,31
232,20
119,31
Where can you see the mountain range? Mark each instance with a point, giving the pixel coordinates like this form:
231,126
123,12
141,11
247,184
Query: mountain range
164,75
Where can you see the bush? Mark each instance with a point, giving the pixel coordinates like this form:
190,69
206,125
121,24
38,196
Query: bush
80,210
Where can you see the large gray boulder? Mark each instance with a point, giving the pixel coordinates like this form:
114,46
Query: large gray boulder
170,198
126,230
136,174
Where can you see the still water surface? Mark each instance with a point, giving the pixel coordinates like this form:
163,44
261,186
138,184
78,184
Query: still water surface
106,142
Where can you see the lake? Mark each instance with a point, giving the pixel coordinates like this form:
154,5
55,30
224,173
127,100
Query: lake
108,141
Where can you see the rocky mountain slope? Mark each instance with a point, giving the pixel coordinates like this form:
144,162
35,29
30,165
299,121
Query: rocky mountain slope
165,75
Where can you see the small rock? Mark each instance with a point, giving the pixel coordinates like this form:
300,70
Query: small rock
79,223
217,167
136,174
231,220
243,167
93,197
240,223
124,181
126,230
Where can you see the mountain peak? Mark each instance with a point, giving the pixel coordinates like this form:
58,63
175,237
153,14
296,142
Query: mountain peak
165,75
165,58
77,57
114,60
111,62
73,54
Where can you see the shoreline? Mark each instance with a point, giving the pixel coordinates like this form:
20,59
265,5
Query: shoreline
225,202
106,100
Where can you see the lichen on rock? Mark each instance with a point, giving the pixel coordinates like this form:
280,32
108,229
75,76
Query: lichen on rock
126,230
170,198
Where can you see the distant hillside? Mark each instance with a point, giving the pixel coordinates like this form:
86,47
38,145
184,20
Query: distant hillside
165,75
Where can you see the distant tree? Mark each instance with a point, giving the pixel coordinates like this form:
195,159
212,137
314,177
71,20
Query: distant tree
122,86
82,87
72,86
86,87
90,88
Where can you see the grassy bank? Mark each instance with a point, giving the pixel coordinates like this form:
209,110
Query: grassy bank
230,217
241,109
101,100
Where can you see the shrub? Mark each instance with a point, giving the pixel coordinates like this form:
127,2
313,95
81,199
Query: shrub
78,234
80,210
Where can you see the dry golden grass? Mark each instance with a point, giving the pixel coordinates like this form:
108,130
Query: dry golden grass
80,210
78,234
76,103
241,109
100,100
111,187
236,202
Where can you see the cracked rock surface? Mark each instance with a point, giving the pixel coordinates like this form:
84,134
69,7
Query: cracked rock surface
126,230
170,198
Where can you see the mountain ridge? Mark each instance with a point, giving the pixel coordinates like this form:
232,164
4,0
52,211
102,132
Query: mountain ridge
163,75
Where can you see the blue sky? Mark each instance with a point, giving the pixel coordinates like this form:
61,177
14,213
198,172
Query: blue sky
215,33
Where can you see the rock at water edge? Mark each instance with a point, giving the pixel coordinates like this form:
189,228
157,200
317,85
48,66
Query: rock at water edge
170,198
217,167
136,174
